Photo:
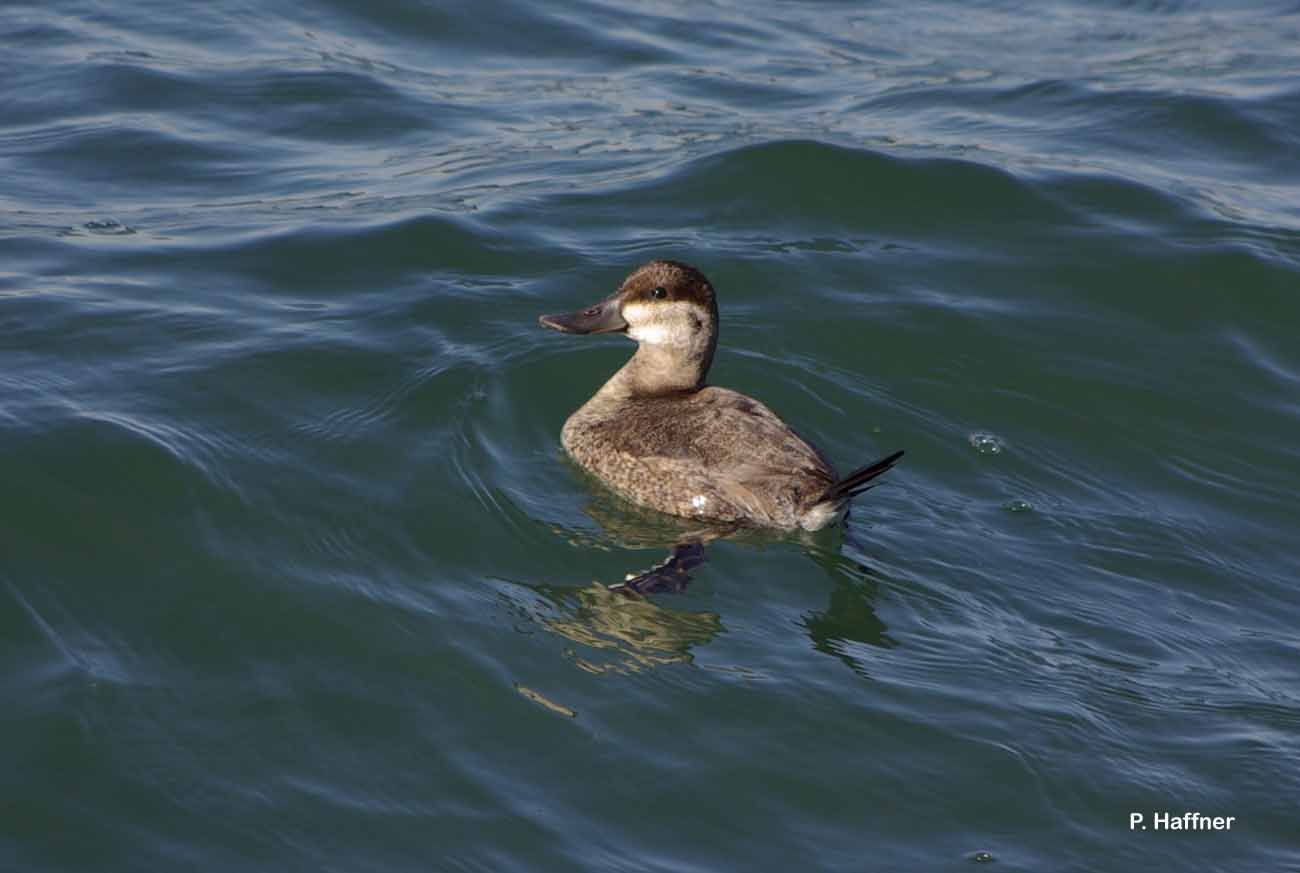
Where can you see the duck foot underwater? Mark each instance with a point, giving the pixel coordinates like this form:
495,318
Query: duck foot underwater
671,576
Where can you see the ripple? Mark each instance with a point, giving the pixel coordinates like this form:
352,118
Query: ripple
201,451
819,185
987,443
106,154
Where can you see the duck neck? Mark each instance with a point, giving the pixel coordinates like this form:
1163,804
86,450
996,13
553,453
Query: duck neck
658,369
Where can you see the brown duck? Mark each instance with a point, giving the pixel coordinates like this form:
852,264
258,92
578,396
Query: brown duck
659,436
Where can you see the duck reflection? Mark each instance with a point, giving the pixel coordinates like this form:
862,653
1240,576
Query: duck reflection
616,629
615,633
850,617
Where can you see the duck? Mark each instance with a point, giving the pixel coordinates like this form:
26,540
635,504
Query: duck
657,434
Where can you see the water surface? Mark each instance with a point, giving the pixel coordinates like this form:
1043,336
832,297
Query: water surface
295,576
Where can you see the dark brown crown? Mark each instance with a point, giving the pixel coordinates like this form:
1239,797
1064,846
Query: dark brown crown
679,282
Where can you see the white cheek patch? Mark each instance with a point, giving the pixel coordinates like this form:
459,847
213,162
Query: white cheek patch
659,334
664,324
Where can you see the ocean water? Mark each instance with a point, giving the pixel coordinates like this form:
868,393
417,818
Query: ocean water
294,574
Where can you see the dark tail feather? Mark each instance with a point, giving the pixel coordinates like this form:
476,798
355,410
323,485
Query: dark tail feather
861,479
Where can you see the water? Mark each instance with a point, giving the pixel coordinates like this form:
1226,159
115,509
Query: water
295,576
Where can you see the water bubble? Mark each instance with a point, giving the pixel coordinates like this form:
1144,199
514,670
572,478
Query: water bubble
1018,506
108,227
987,443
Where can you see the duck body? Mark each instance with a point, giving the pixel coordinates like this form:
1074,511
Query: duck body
712,454
659,436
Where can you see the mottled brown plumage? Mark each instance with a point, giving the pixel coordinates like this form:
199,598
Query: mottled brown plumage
710,454
657,435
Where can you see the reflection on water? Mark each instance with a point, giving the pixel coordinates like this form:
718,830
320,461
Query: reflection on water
615,632
850,617
619,634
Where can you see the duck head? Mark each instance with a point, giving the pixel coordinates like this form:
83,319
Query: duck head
670,309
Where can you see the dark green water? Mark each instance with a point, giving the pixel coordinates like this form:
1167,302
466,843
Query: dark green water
293,574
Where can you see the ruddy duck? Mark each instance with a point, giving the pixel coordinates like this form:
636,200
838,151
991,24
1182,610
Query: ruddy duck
659,436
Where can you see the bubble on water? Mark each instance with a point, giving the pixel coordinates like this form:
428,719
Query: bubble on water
987,443
1018,506
981,857
108,227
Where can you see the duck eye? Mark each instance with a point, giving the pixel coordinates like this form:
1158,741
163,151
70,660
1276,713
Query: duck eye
659,293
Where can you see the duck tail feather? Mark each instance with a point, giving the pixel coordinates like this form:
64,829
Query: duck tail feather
861,479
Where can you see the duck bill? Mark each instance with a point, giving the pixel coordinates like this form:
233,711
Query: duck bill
603,317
